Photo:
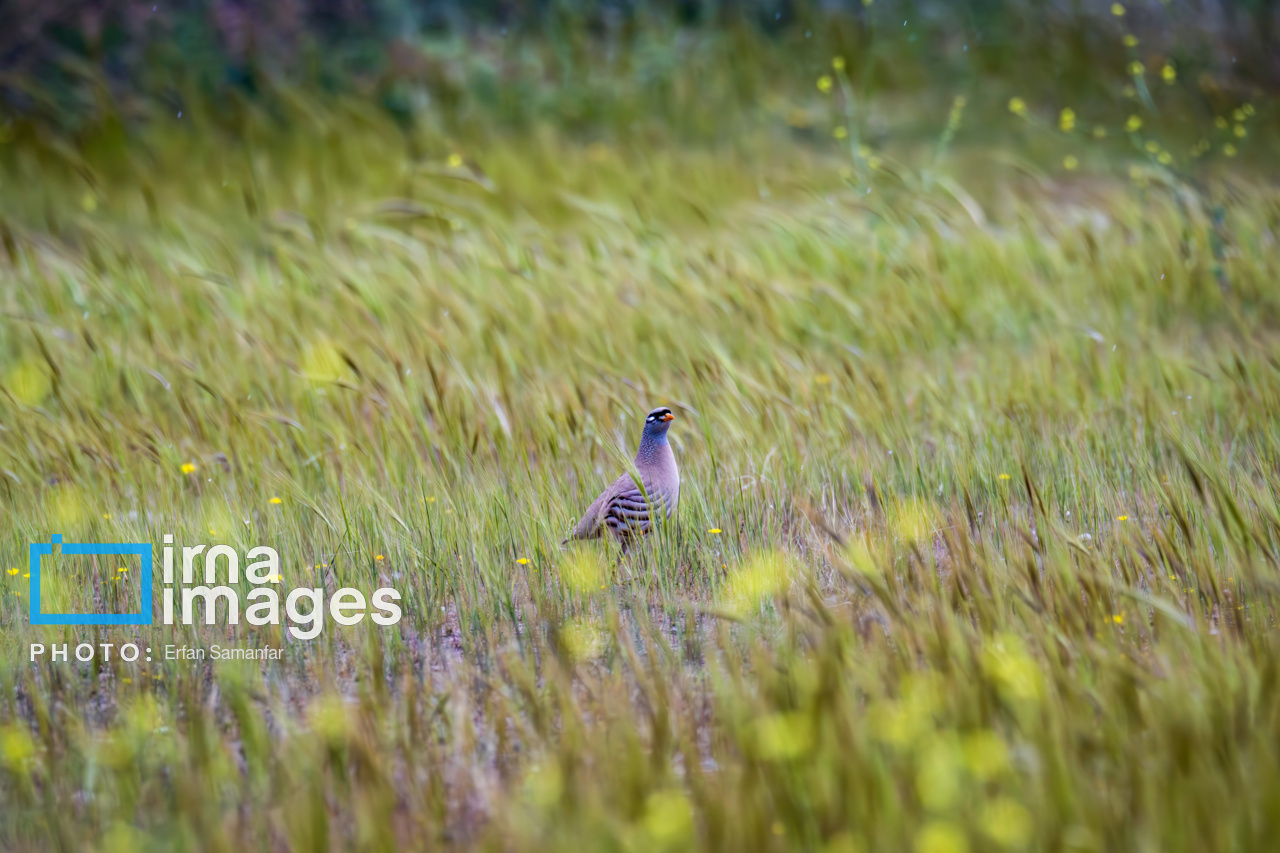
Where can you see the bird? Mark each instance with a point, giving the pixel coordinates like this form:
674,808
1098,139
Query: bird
627,510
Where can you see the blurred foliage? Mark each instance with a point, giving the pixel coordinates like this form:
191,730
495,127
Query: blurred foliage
75,66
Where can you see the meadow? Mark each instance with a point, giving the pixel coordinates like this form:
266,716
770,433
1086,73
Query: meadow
978,423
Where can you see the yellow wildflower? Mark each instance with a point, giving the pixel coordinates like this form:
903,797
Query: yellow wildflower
455,160
582,572
762,578
1117,10
1130,40
28,383
188,468
1133,125
713,530
1017,106
839,133
1136,68
1240,131
524,561
13,571
1007,822
824,84
1067,120
1122,518
1118,619
1164,158
1152,146
1070,163
1004,476
275,501
837,63
1229,150
1169,73
941,837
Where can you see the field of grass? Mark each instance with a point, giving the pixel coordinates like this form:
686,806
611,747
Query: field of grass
979,535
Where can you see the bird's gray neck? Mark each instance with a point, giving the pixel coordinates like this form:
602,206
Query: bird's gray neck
652,447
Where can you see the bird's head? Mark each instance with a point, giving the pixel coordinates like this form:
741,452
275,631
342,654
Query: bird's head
658,421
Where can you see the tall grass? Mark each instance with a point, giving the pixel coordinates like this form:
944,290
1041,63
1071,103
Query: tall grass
977,546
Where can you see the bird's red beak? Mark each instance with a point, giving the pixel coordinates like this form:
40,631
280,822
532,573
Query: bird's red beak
668,417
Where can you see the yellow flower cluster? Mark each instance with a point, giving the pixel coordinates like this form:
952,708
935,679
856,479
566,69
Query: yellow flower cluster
957,113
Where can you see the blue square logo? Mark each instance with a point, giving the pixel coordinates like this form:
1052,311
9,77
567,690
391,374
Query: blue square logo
142,551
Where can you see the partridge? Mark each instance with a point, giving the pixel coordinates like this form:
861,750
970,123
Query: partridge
626,510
